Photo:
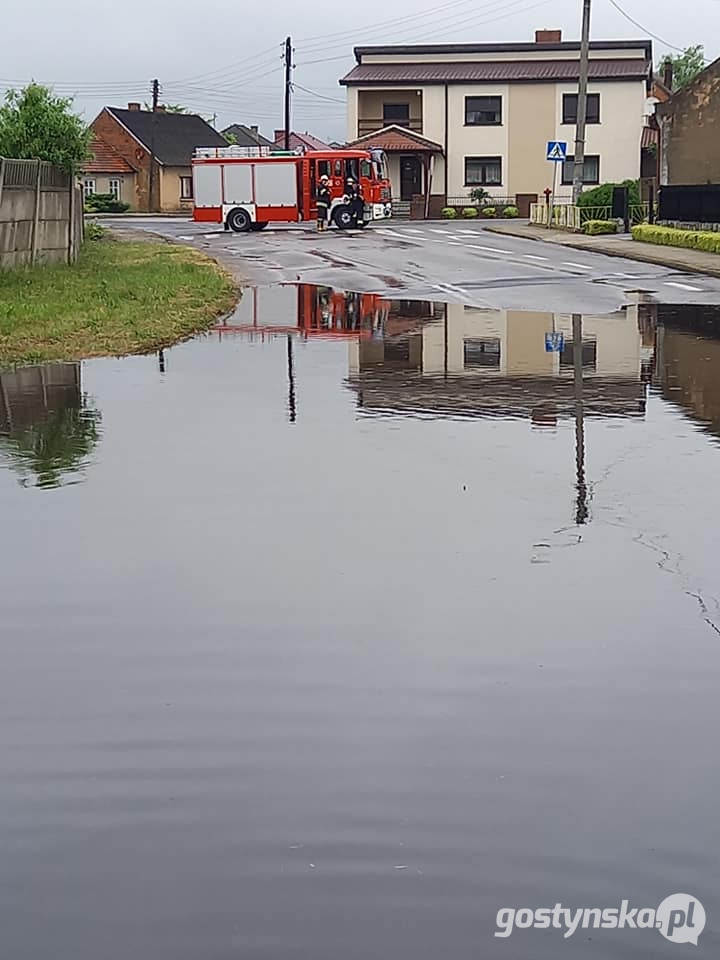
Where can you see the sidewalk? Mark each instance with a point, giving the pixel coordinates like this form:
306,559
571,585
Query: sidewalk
688,261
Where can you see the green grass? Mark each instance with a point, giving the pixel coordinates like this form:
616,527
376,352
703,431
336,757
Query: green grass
119,298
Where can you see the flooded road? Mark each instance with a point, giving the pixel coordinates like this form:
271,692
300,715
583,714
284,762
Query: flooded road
335,631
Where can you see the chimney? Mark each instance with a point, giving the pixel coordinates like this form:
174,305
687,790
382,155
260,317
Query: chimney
548,36
133,106
254,129
668,74
279,136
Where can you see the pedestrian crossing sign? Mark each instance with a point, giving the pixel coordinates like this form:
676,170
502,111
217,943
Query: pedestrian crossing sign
557,151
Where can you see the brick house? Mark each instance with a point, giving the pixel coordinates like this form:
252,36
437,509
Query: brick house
690,131
133,133
108,172
300,141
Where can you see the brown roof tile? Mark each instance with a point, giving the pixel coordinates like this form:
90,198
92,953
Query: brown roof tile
538,71
105,159
395,139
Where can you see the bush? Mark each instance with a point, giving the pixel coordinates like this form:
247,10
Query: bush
489,211
469,212
448,213
594,227
602,196
671,237
105,203
478,194
511,212
93,231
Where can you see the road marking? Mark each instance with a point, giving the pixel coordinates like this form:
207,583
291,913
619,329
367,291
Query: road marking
450,288
477,246
682,286
580,266
531,256
437,230
185,239
414,229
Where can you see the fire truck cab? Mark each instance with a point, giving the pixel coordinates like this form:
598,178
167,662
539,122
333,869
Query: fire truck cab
248,188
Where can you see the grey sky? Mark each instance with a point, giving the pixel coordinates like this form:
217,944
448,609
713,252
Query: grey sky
215,56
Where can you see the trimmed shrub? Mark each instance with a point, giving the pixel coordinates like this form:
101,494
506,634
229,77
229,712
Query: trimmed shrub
448,213
594,227
489,211
510,212
105,203
469,212
671,237
602,196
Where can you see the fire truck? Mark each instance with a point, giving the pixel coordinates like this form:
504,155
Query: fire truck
247,188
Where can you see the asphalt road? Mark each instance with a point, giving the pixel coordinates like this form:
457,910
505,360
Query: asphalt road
457,262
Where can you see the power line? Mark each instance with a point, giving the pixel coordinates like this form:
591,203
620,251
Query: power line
320,96
384,24
645,29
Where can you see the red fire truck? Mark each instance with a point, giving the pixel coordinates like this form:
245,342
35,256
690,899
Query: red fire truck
246,188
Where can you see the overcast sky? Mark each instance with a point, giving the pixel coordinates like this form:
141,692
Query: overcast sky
223,56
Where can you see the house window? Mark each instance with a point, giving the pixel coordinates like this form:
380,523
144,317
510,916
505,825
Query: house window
483,171
483,111
591,170
570,105
186,188
396,113
88,187
115,188
481,352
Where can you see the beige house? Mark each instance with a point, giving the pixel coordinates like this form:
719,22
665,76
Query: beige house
489,109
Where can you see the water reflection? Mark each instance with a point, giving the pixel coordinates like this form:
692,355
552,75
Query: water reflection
47,426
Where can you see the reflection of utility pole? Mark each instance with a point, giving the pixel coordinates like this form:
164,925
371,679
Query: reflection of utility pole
161,360
581,510
292,409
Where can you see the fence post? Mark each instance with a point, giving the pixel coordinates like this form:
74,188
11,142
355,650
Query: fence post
36,217
2,176
72,240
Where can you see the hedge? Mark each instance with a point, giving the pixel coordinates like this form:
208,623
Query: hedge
449,213
602,196
469,212
489,212
510,212
594,227
671,237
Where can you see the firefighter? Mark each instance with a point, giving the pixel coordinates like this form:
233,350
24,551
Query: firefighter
355,200
323,198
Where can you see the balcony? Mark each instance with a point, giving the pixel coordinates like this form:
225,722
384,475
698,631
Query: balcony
371,124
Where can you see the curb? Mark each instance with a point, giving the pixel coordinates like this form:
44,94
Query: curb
629,254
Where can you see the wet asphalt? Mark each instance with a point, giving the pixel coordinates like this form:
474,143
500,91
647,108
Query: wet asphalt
454,261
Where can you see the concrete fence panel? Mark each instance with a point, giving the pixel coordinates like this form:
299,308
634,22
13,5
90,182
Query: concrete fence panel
41,214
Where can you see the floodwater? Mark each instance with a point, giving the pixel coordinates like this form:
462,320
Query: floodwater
334,631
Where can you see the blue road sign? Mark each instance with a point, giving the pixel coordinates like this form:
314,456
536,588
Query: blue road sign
556,151
554,342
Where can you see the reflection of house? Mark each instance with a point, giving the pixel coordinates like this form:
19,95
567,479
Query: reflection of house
490,108
688,359
495,363
134,134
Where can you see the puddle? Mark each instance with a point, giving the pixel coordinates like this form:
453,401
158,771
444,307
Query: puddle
355,620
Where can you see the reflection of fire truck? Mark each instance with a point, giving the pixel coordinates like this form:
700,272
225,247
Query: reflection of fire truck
246,189
308,311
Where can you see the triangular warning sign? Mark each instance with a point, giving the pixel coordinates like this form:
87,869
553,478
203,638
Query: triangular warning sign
556,152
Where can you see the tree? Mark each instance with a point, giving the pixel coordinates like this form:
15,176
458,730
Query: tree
35,125
686,66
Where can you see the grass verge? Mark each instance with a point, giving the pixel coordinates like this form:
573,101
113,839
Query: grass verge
120,297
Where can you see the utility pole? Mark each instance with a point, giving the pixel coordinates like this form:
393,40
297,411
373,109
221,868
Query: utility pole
288,89
152,190
581,104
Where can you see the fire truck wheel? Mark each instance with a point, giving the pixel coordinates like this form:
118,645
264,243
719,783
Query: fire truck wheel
259,225
343,218
239,220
